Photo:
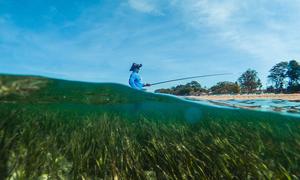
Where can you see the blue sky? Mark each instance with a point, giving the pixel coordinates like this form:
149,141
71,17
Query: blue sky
97,40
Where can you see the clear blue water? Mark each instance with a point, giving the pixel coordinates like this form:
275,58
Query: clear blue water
284,107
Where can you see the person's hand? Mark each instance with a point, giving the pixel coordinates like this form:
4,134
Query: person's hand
147,84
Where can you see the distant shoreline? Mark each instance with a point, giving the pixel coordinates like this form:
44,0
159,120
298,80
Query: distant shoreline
288,97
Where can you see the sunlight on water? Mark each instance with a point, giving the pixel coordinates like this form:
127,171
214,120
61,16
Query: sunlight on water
283,107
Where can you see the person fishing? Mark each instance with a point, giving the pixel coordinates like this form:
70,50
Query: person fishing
135,80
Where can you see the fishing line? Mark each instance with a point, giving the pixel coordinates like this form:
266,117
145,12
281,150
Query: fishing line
193,77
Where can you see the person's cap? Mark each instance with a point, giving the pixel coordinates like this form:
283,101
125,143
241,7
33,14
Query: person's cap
135,66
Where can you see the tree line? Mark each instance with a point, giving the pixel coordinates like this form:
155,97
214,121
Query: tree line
284,78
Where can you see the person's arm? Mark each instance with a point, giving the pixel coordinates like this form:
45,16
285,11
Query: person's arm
139,82
132,81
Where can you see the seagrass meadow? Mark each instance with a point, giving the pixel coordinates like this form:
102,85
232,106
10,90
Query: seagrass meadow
56,129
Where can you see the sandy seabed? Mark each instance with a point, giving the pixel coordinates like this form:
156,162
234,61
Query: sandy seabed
288,97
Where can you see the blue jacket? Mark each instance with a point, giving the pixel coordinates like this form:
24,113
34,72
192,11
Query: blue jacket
135,81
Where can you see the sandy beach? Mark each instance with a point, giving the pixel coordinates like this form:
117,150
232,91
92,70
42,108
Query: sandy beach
289,97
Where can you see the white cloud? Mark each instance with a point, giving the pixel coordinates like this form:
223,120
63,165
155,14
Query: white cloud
104,48
212,12
153,7
267,30
143,6
100,51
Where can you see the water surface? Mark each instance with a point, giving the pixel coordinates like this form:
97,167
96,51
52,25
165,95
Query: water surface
60,129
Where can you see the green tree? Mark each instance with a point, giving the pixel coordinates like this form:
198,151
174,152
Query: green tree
249,81
165,91
225,87
195,88
270,89
293,73
194,85
278,74
182,90
191,88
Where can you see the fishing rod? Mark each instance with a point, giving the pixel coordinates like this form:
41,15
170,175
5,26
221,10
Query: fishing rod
193,77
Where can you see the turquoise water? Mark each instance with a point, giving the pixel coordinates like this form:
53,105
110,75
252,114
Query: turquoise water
283,107
75,130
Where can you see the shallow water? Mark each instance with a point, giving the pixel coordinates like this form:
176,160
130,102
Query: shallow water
283,107
76,130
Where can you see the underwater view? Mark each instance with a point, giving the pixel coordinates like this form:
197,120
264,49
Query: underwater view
57,129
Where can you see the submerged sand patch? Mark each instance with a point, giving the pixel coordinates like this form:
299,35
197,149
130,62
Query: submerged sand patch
289,97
